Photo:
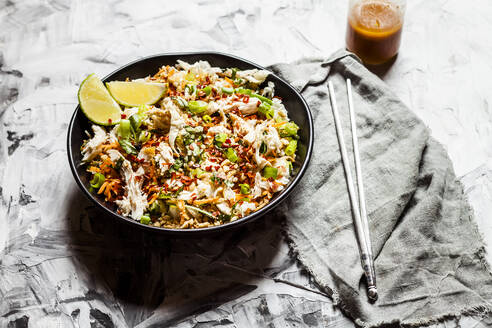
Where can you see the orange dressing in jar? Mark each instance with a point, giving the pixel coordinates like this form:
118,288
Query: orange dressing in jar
374,29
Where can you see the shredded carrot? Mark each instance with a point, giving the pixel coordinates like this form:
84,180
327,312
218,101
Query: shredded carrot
107,192
229,80
104,185
94,169
276,125
239,197
153,198
206,201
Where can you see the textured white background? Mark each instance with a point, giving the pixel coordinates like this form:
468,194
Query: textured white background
57,265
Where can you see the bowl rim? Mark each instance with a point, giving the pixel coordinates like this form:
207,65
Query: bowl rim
226,226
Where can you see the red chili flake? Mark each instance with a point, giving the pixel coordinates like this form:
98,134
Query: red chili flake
228,141
110,121
211,159
246,99
123,116
186,180
258,103
208,168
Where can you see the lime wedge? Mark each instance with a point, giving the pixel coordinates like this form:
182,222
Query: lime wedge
136,93
96,102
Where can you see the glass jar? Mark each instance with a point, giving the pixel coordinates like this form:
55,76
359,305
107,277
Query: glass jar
374,29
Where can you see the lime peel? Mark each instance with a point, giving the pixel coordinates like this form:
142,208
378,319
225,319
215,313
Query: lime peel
136,93
96,102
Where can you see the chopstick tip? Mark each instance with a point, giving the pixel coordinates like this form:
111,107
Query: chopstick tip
372,293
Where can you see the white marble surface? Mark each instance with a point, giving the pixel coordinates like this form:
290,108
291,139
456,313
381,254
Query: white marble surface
59,265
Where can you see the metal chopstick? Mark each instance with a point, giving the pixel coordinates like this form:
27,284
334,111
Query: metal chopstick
359,212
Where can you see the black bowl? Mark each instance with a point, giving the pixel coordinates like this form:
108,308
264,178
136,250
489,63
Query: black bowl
294,103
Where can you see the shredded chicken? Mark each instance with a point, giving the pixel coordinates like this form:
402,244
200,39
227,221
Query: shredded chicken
92,147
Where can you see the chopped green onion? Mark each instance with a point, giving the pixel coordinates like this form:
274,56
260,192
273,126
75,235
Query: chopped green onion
190,89
157,207
250,93
220,139
291,148
97,180
197,106
216,180
127,146
176,166
189,129
263,148
233,74
173,211
288,129
194,130
224,217
124,129
270,172
136,121
231,155
199,210
266,109
118,164
207,118
198,172
291,168
180,102
228,91
145,219
245,188
244,91
164,196
144,136
262,98
207,90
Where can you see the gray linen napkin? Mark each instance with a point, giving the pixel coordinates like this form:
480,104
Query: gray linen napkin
429,255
